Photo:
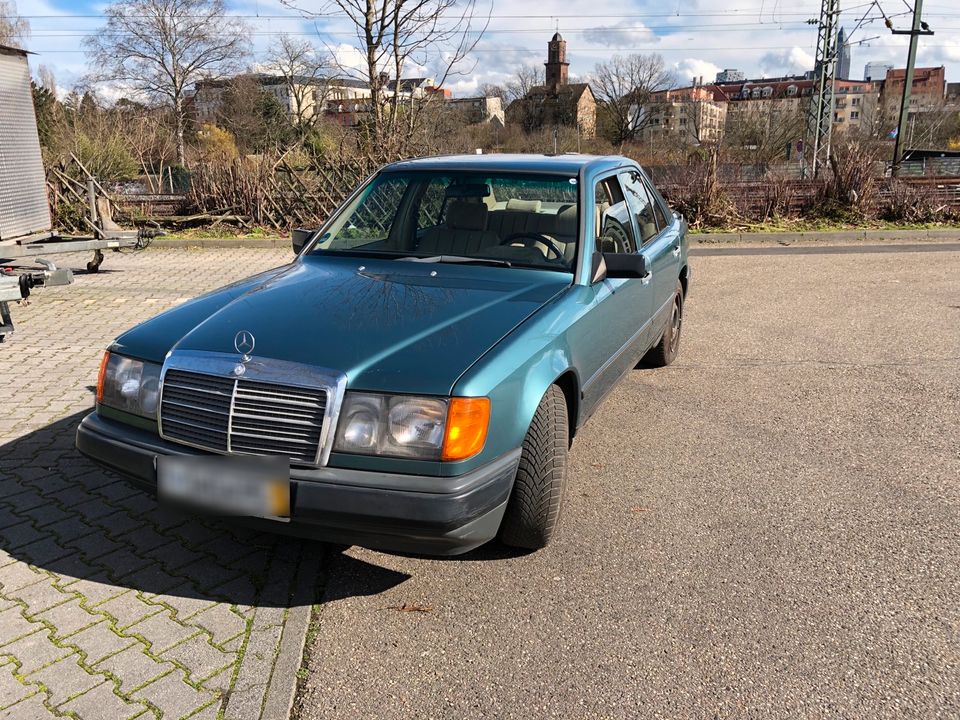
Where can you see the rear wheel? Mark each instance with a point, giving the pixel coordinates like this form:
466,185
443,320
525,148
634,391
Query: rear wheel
666,351
534,508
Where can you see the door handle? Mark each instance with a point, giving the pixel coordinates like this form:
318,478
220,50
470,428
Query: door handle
645,280
676,250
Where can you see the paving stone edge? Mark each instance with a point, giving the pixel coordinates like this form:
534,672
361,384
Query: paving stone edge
266,684
697,238
281,693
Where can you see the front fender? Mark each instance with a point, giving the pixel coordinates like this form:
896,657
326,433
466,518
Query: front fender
516,373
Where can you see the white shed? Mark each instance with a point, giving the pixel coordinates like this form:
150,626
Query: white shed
24,209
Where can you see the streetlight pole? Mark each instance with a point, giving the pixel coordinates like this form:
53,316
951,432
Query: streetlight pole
917,29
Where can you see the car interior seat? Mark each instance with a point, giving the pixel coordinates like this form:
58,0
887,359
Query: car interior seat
464,230
565,231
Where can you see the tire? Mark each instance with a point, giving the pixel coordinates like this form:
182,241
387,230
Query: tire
534,507
666,351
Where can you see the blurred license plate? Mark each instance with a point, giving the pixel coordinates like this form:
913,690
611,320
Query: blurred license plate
258,486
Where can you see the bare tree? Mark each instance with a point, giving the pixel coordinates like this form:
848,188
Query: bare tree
493,90
760,132
624,86
14,30
158,48
527,78
394,34
302,67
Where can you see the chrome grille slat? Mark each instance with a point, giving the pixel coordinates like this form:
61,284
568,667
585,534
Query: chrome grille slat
273,435
186,407
262,413
228,414
243,417
277,399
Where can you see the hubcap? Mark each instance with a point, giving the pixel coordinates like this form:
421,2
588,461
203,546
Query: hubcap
677,322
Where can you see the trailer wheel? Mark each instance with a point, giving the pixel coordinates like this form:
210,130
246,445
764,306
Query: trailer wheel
94,265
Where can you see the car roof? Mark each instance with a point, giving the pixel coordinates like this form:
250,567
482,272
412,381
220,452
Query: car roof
566,164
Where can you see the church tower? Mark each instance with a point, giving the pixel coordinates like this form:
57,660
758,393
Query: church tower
556,63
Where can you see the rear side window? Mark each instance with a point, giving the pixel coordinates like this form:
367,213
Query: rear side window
660,207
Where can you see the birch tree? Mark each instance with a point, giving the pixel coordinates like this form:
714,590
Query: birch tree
14,29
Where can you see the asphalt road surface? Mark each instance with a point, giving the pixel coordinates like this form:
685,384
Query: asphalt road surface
769,528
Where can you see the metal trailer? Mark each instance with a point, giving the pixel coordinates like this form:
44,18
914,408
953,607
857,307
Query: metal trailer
25,226
16,288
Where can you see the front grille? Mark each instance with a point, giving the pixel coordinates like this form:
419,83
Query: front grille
243,416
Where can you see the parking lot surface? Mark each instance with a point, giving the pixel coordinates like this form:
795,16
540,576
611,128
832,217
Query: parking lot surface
111,607
768,528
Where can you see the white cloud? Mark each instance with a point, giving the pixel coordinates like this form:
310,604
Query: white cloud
790,61
695,68
625,34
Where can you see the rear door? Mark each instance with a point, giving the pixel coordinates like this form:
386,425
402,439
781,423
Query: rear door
660,244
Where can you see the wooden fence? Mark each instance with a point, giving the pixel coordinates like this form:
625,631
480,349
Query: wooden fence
271,192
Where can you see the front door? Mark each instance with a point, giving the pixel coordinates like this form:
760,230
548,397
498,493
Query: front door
660,244
616,331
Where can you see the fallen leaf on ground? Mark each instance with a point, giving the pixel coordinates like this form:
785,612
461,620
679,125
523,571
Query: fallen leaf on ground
410,607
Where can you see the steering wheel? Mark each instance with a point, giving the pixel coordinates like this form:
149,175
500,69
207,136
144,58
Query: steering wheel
615,234
546,240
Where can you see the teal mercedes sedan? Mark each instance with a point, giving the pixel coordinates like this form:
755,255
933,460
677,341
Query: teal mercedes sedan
413,380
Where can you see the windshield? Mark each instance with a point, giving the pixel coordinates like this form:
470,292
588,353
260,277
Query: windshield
509,219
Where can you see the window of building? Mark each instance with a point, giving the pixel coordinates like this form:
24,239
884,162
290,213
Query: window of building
767,92
854,115
855,101
791,90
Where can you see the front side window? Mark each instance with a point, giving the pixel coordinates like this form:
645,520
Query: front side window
641,205
614,227
521,220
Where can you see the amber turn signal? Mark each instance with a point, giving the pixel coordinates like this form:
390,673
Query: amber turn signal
466,431
101,375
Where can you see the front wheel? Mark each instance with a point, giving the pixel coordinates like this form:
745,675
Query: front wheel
534,507
666,351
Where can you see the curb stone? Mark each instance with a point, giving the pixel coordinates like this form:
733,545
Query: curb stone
267,676
843,236
283,683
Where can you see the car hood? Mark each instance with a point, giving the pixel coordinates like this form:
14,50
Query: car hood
389,325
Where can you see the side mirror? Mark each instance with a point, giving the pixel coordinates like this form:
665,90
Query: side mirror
299,238
625,265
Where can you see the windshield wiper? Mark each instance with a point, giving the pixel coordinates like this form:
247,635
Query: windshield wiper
459,260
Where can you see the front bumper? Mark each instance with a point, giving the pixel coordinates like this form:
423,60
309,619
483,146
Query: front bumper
400,513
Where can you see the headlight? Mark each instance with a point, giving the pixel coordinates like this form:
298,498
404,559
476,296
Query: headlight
414,427
129,385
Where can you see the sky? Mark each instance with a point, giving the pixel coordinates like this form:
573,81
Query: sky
763,38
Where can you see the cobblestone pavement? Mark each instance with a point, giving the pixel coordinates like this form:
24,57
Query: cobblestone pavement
111,607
